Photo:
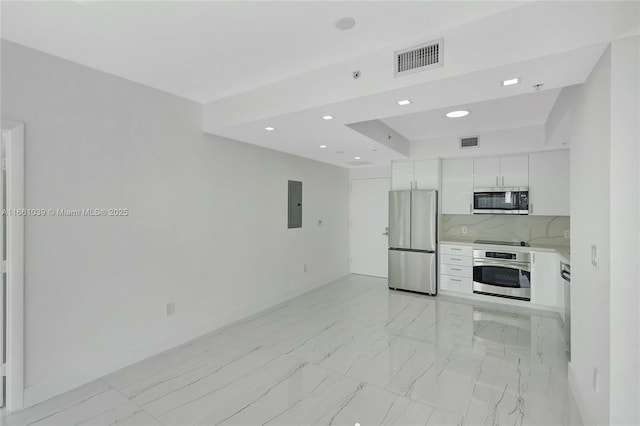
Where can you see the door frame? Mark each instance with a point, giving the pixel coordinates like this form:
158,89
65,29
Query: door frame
13,137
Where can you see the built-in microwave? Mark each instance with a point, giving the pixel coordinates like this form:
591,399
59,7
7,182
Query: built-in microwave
501,200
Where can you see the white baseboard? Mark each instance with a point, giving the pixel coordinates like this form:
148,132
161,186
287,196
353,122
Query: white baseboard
501,301
585,413
103,367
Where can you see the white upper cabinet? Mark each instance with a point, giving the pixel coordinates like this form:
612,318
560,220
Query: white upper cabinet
486,172
501,171
426,174
514,171
420,174
401,175
457,186
549,183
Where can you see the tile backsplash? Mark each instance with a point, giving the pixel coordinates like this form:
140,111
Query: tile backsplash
541,230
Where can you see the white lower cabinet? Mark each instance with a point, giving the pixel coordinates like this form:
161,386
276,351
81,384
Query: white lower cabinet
456,271
453,250
456,283
456,260
547,287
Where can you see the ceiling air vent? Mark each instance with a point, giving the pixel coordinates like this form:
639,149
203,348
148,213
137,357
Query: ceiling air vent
418,58
470,142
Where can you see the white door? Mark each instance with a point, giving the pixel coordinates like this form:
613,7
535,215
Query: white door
369,221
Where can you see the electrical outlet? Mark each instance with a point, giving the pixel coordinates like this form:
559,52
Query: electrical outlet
567,234
464,229
169,309
594,256
596,380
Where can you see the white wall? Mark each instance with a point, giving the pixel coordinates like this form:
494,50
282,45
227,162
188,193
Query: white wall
207,228
370,172
495,142
590,217
605,160
558,124
625,213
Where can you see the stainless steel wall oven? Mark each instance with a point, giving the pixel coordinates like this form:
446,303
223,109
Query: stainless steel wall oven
502,273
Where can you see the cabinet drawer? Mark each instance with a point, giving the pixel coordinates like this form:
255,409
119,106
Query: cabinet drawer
460,271
456,250
449,259
454,283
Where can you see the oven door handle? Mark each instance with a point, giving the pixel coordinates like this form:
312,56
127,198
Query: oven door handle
503,264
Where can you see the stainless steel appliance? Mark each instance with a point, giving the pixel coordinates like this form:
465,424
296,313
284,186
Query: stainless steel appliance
413,228
501,200
565,273
502,273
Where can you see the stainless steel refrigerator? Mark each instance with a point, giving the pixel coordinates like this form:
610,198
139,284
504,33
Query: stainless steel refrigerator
413,245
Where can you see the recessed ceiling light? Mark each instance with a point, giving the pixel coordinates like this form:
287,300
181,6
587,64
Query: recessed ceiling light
345,23
327,117
356,158
269,128
404,102
457,114
323,146
511,82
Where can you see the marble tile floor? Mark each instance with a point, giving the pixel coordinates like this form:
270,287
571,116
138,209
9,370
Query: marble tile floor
349,352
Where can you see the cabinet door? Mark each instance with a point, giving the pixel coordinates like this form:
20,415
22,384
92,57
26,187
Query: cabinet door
549,183
456,283
514,171
486,172
457,186
401,175
547,287
426,174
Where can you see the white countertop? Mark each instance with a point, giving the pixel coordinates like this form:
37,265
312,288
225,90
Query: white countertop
563,251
